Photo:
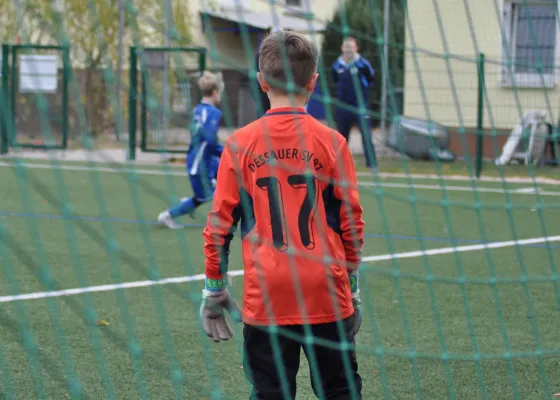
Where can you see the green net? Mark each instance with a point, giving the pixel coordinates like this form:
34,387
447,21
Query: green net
459,279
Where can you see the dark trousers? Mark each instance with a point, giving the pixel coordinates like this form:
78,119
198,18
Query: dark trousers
344,121
272,359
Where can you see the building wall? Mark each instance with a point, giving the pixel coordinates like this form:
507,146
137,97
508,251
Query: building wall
323,10
232,52
226,51
446,90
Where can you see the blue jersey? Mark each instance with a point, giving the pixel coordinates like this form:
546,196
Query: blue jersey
343,73
204,147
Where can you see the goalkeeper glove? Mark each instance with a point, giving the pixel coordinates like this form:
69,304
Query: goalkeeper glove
356,302
212,314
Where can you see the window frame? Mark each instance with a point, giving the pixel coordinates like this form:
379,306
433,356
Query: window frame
303,7
525,79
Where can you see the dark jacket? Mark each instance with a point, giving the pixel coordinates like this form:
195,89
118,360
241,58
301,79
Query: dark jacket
346,85
262,97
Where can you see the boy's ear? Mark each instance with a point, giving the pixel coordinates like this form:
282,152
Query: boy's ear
310,87
262,83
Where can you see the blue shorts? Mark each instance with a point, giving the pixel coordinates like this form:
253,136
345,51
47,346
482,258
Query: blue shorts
203,186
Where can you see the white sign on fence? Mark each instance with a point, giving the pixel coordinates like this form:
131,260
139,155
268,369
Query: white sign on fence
38,73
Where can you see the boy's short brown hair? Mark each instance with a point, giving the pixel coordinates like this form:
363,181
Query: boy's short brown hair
281,52
208,82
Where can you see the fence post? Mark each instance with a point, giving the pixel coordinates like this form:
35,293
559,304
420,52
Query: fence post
202,60
13,90
4,102
202,68
480,115
143,106
133,82
65,79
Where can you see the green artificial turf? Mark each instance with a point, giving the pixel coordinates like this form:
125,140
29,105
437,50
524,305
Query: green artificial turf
464,325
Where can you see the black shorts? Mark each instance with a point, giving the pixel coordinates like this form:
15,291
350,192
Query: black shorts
271,361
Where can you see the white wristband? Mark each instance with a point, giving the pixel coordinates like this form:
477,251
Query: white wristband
210,293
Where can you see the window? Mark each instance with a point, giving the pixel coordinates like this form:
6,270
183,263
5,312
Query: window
531,30
294,3
297,8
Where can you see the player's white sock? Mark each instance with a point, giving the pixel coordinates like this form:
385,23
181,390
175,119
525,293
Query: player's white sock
165,219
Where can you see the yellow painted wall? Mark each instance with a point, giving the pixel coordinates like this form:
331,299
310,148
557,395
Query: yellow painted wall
445,90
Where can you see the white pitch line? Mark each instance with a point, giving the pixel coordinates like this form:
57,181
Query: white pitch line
460,249
200,277
94,169
509,179
454,188
529,190
361,183
107,288
175,172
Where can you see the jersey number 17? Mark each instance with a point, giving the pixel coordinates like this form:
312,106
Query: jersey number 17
306,213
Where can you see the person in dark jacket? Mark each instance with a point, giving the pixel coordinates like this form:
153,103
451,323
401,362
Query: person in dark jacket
353,76
262,96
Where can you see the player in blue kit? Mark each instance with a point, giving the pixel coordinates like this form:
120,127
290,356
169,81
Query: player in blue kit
204,151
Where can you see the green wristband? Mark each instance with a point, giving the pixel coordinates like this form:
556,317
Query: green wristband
215,285
353,277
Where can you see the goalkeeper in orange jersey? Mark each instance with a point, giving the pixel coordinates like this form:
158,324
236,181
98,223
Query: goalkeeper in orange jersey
289,181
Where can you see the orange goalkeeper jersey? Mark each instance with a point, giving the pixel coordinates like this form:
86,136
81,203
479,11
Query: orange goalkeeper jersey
288,181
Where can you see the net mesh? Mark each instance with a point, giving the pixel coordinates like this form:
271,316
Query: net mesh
459,279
